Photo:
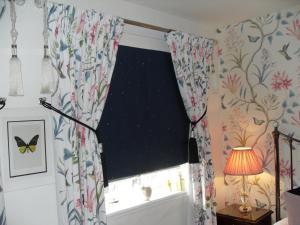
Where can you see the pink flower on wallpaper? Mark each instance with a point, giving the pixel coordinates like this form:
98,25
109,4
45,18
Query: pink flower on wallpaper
285,168
281,81
219,52
294,30
296,120
224,128
232,82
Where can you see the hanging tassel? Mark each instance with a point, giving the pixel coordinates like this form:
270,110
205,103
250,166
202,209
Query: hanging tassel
48,79
104,170
15,77
193,156
15,72
193,149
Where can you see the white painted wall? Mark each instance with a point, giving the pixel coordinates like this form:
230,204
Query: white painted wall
170,210
36,205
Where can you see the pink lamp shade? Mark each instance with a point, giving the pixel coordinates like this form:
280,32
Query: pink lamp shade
243,161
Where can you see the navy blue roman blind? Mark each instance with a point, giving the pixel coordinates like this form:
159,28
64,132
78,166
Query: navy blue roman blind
144,126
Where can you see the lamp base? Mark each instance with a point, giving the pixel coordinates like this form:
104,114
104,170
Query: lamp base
245,208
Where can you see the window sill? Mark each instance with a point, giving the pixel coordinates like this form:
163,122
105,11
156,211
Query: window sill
118,211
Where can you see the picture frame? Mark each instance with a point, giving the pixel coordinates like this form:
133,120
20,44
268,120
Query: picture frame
27,148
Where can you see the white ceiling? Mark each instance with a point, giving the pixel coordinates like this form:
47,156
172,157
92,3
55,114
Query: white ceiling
219,12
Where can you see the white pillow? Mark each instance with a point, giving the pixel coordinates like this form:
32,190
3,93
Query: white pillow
292,199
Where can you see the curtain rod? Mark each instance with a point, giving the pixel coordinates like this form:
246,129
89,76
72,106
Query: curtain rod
147,26
153,27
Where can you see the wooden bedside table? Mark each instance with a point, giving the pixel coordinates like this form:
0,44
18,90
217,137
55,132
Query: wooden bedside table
232,216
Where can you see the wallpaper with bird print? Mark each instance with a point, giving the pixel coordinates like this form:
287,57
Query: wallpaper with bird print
259,78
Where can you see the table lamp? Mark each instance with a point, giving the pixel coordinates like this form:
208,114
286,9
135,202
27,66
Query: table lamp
243,161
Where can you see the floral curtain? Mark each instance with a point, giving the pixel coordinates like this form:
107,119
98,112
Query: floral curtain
191,58
2,210
83,47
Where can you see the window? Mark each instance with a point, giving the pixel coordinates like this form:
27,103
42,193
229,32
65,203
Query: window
127,193
144,126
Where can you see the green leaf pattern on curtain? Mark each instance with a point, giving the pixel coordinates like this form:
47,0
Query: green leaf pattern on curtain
83,46
191,57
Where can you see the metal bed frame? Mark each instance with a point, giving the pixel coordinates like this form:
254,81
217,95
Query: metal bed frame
291,139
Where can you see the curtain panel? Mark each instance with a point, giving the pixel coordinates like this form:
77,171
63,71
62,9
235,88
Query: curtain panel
83,46
2,209
191,57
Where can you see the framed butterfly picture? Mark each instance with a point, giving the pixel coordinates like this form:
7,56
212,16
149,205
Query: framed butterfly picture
26,148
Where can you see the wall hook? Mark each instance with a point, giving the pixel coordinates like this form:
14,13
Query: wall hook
2,103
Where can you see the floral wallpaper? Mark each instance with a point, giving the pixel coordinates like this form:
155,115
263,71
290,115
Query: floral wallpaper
259,86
